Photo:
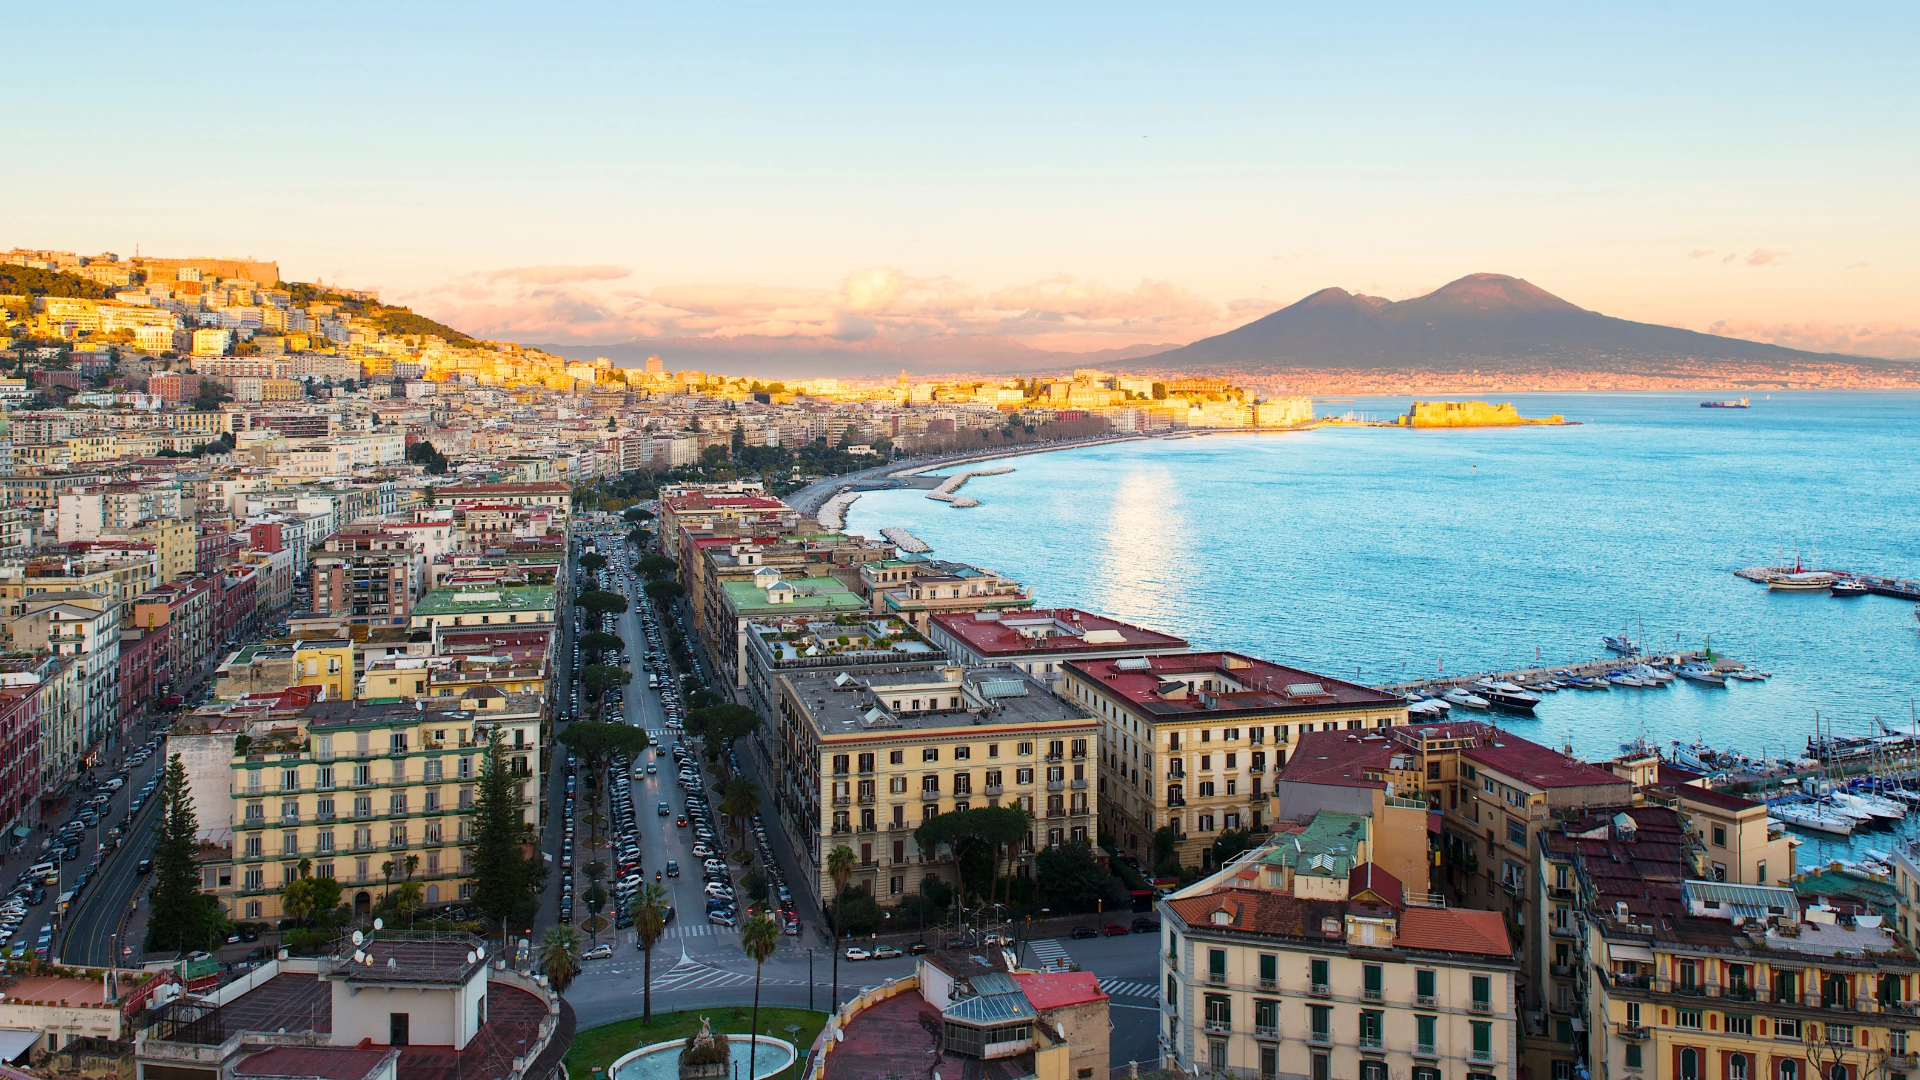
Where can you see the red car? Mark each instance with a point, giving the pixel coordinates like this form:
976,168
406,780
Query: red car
1114,929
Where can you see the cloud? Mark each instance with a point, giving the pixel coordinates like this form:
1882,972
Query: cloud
557,275
1885,342
1763,257
1699,253
1729,257
885,303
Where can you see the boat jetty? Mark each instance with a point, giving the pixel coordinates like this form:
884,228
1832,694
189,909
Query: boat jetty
1841,583
949,487
1519,690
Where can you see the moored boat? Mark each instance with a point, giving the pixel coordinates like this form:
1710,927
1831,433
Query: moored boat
1700,673
1461,697
1814,817
1848,588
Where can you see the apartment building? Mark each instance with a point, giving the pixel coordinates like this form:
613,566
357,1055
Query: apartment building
1308,962
82,627
915,589
20,775
697,512
371,577
807,642
269,667
504,605
1706,980
768,595
708,563
1039,642
353,785
862,759
1188,740
550,494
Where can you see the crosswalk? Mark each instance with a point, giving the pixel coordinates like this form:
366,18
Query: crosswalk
699,929
1129,988
1049,952
691,974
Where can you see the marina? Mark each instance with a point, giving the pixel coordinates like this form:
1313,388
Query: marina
1842,583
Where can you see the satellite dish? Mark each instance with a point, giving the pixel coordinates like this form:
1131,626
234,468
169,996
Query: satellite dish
358,956
358,937
393,963
471,957
379,925
841,1036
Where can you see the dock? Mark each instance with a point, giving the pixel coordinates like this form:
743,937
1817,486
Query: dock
1585,669
1879,584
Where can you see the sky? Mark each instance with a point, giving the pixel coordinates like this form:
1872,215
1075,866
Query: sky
1065,177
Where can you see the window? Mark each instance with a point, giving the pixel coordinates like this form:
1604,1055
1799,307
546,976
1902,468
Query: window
962,753
1482,993
1371,1027
1720,837
1482,1040
1025,748
1217,966
1317,971
1633,1056
1789,1069
1423,1033
1269,971
1266,1016
1322,1067
1739,1025
1737,1067
1516,833
1219,1012
1423,981
1689,1063
1320,1022
1370,980
840,764
1688,1018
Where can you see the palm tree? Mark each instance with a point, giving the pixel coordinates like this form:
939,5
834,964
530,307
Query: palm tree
650,920
741,802
840,864
560,956
758,938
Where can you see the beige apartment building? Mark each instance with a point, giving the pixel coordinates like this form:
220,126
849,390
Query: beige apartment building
354,785
1308,962
1190,742
915,589
863,757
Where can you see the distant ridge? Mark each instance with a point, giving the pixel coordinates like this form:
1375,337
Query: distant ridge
1481,321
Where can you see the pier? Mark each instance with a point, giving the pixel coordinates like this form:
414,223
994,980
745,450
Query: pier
1586,669
946,491
1898,588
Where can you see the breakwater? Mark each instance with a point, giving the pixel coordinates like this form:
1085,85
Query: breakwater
948,490
833,513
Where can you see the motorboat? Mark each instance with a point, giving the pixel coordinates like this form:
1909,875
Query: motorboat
1620,643
1579,682
1459,696
1882,809
1813,816
1749,675
1652,676
1429,708
1701,673
1847,588
1506,695
1625,678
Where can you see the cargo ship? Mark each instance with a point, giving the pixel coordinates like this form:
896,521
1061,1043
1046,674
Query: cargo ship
1740,404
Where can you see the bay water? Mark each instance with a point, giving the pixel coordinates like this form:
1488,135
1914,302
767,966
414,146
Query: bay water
1381,555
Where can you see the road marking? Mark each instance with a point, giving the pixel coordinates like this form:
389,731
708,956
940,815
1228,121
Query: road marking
690,974
1049,952
1128,988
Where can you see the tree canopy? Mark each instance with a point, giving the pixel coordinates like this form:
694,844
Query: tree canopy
592,561
1070,875
600,643
656,567
601,602
663,591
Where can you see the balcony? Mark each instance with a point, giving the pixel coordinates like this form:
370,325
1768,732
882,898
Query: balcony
1266,1031
866,800
1256,769
1632,1032
897,826
842,830
1056,785
1371,993
1320,990
930,796
1425,1050
1269,984
1216,978
1426,1001
1174,801
1221,1027
1320,1038
992,789
1480,1055
1482,1007
1903,1060
1176,776
1079,785
1053,757
1372,1042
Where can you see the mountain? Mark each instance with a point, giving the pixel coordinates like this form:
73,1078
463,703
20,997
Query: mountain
1480,321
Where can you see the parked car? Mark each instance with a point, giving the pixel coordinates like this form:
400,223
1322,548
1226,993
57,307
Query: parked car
1085,932
886,952
1114,929
858,954
1145,925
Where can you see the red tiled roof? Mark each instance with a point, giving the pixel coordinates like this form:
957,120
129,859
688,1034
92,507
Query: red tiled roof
1455,930
1001,637
1339,758
1056,990
1540,766
1374,879
323,1062
1267,685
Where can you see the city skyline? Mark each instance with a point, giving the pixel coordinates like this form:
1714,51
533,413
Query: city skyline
799,181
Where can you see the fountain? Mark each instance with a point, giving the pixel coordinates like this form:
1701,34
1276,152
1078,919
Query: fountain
706,1056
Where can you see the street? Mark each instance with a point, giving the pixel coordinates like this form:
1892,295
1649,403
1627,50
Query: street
697,964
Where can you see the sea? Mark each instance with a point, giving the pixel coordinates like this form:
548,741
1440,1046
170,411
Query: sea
1383,555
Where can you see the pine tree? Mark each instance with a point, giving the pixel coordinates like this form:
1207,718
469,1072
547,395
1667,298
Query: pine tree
178,914
499,862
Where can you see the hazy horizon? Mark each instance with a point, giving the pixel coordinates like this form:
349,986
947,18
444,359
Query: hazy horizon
921,184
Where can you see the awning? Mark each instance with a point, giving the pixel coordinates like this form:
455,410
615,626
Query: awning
22,831
16,1041
1639,953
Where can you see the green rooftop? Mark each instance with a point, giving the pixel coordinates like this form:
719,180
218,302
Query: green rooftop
812,595
485,600
1327,847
